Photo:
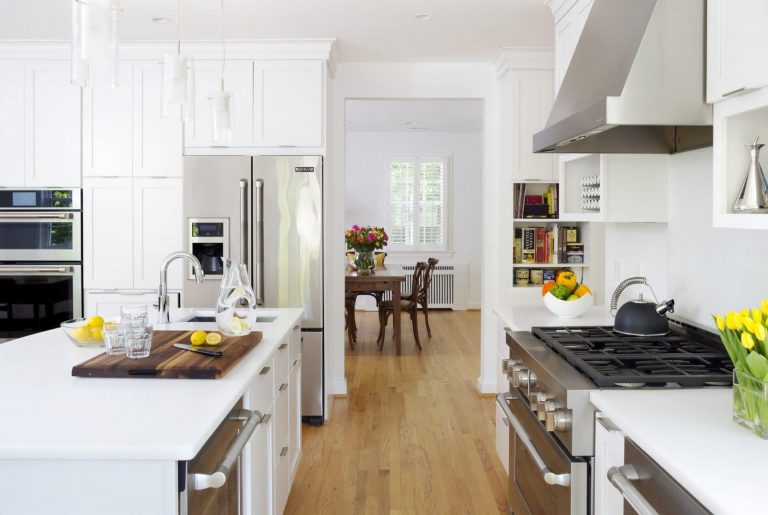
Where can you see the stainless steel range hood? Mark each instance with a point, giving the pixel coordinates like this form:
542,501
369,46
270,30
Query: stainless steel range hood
635,83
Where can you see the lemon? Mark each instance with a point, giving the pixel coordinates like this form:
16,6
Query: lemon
97,333
96,321
198,338
213,339
81,334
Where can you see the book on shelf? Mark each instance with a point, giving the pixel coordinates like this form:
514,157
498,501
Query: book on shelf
536,205
547,245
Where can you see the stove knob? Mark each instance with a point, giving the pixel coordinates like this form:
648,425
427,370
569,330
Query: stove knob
529,380
546,406
518,375
558,420
507,365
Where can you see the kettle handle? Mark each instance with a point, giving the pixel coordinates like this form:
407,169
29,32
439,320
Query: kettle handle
623,285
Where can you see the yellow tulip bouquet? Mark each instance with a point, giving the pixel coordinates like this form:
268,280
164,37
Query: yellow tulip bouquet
745,337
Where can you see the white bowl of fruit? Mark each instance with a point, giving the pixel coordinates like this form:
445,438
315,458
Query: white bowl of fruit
565,297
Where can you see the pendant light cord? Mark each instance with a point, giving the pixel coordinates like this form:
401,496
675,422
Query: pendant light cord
178,27
223,44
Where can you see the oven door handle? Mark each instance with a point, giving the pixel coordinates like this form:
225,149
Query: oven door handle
219,477
38,270
20,217
621,478
549,477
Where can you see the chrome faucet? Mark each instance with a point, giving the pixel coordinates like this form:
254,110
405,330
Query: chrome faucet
163,316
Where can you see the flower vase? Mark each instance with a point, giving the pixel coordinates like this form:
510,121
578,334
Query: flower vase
364,262
750,403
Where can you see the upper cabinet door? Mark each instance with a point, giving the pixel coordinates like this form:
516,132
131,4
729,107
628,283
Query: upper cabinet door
108,126
157,145
288,103
737,47
238,80
107,233
12,126
157,230
52,125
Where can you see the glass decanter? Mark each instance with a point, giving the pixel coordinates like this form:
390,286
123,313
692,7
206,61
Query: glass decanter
236,305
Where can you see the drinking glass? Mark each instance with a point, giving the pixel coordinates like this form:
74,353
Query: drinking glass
134,318
138,343
113,338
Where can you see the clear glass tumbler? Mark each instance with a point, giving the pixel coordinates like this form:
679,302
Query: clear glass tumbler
134,317
113,338
139,343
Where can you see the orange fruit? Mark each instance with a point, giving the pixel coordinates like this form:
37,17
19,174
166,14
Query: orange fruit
547,286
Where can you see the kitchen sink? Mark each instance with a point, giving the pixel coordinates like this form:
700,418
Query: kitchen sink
203,318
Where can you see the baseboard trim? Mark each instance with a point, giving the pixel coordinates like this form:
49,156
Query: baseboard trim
486,387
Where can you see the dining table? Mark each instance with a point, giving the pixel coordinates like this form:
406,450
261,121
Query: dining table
382,279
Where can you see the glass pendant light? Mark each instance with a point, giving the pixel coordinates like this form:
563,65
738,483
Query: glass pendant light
221,101
94,43
178,80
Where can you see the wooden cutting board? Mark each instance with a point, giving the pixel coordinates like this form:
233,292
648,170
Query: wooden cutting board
166,361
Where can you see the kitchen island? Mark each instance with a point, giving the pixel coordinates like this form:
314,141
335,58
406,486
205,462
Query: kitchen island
87,445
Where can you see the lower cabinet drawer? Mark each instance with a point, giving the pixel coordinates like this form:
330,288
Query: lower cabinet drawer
261,392
281,364
282,478
282,415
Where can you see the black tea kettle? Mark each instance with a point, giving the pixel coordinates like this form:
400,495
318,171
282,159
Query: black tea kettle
639,317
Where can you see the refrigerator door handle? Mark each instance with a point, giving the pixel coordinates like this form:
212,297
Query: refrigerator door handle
258,230
244,221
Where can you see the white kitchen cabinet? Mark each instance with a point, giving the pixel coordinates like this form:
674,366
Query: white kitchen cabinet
157,141
108,127
107,303
525,101
288,103
12,127
294,389
502,386
259,474
157,230
737,47
238,80
51,125
570,18
108,233
609,452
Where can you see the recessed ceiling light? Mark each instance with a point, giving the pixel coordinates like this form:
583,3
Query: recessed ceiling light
161,19
425,17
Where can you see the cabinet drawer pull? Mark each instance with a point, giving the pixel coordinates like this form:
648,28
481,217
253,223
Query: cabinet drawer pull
266,418
283,346
283,386
284,451
265,370
733,92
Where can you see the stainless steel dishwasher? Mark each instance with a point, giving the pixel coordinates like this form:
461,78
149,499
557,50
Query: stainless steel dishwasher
211,482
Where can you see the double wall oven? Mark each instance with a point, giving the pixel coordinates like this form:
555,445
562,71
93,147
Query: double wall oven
40,259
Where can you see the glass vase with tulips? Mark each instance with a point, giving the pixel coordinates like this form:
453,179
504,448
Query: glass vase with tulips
365,241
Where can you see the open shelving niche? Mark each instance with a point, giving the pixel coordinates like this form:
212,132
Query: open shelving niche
737,122
591,235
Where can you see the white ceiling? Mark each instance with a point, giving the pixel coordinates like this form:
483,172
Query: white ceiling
414,115
366,30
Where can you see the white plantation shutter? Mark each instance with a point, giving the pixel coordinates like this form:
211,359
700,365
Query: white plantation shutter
418,204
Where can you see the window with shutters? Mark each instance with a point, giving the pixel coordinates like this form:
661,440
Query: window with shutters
418,203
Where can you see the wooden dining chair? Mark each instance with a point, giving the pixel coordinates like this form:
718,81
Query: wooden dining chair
423,299
408,305
350,299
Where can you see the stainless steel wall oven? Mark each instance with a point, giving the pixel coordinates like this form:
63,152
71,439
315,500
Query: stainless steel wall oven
40,259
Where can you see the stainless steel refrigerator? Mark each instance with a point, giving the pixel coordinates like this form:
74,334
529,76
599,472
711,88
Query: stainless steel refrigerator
265,211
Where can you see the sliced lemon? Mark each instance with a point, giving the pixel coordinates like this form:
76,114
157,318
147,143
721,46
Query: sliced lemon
213,339
198,338
96,321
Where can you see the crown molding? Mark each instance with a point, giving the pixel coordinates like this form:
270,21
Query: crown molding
559,7
284,50
531,58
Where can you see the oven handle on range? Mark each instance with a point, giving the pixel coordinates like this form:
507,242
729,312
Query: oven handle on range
47,270
549,477
218,478
621,478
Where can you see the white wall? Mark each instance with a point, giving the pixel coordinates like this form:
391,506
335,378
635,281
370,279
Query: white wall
706,270
366,184
398,81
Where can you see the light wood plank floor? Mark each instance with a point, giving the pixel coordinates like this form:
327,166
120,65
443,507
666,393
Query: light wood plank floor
413,436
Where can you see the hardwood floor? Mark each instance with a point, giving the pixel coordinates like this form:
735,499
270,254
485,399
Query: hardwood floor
413,436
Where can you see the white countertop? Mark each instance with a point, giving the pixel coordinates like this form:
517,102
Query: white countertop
523,318
689,432
45,413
